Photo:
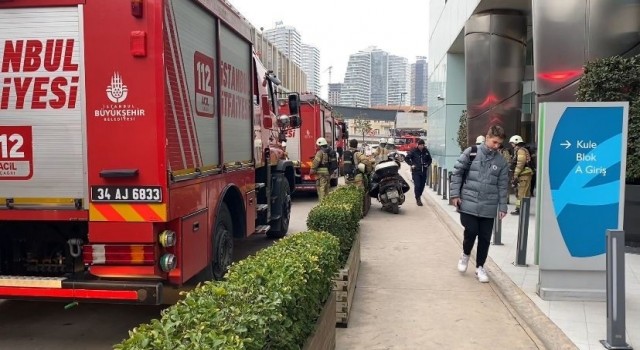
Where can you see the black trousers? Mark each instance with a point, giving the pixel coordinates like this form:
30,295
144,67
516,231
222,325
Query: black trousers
475,226
419,181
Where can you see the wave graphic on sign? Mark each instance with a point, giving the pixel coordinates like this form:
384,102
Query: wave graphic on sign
586,193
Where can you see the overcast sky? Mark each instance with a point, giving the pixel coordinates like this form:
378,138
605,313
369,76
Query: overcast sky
343,27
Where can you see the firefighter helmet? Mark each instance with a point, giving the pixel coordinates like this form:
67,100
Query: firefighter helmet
516,139
480,140
383,141
391,141
321,142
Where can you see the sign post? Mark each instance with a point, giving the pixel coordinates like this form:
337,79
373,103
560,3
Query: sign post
580,191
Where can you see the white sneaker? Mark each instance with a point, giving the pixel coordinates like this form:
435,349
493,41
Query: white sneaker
463,263
482,275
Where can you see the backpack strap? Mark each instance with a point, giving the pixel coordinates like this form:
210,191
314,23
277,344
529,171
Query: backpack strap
473,154
472,157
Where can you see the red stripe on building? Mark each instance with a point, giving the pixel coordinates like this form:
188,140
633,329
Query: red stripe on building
172,60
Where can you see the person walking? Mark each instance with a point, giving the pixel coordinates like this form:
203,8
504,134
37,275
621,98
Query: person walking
320,167
419,159
479,186
522,172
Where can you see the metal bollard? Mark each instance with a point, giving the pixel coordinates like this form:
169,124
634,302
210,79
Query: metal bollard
445,182
497,230
429,176
439,184
616,316
431,182
523,232
449,179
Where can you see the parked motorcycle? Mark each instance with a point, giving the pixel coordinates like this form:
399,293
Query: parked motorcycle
388,186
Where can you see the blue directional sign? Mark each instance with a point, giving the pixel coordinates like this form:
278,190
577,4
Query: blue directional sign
584,175
580,192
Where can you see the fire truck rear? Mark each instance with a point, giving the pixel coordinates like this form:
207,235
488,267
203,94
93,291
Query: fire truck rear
317,121
134,147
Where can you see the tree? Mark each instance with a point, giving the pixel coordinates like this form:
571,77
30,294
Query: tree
463,140
363,125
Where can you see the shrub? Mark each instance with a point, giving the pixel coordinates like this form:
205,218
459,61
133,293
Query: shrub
463,137
617,79
339,214
350,195
269,301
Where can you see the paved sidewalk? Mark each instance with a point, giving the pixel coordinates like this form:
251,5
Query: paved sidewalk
410,295
583,322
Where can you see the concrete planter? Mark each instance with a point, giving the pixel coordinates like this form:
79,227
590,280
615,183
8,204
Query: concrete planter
344,284
324,334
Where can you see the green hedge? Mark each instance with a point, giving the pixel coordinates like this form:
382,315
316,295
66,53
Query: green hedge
339,213
617,79
268,301
350,195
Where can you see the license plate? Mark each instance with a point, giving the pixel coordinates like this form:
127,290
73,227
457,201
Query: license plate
392,194
126,194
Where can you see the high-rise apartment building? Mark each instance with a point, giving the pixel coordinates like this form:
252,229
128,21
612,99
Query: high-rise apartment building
288,40
376,78
335,90
356,91
311,66
379,77
399,81
419,81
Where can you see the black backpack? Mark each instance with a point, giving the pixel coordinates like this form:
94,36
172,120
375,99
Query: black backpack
332,164
531,161
533,157
472,156
349,164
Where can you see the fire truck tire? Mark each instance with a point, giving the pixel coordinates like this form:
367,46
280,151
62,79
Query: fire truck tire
222,243
333,182
280,226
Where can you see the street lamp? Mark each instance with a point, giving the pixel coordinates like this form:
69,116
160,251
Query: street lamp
395,121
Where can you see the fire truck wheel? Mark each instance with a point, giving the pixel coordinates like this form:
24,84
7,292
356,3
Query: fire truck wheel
222,243
333,182
280,226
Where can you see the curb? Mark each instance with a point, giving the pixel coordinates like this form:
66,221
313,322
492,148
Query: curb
548,333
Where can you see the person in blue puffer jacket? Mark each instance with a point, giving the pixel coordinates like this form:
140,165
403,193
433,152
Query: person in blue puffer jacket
479,189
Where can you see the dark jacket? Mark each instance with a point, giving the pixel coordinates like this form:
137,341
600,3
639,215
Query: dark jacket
487,181
421,159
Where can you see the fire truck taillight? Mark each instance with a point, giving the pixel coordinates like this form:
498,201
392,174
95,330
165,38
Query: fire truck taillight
168,262
118,254
167,238
136,8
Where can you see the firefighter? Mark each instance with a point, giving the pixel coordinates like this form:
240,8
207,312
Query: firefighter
361,165
391,145
522,172
320,167
381,153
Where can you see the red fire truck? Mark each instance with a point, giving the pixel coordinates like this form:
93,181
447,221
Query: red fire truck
136,142
316,121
